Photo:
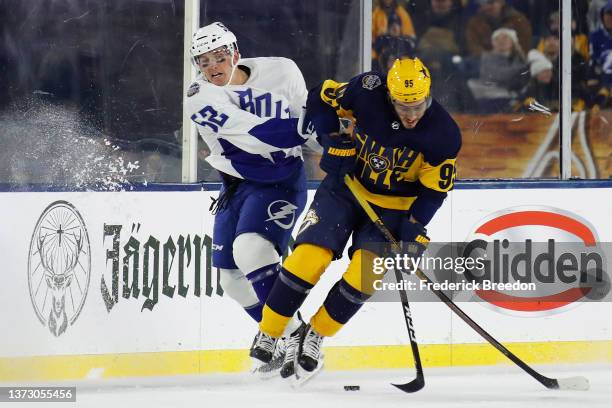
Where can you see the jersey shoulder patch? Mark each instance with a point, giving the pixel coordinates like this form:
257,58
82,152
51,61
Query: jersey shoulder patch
193,89
202,94
370,81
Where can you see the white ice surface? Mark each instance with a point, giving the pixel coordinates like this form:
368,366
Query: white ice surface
486,387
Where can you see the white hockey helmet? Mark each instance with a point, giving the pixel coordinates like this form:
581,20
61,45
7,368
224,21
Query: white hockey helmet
210,38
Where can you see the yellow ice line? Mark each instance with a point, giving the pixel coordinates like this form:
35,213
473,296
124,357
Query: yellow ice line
67,367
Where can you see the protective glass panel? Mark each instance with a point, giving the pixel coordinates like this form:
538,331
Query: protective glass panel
90,91
322,37
592,137
493,68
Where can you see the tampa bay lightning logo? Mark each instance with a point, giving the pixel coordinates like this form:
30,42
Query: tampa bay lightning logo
378,163
282,213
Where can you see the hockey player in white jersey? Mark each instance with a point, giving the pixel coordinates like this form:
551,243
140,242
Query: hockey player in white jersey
247,110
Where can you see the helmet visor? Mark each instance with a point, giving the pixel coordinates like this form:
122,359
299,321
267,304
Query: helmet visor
409,108
216,56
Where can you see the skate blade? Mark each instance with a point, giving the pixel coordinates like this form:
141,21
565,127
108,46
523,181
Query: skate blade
302,376
266,375
263,371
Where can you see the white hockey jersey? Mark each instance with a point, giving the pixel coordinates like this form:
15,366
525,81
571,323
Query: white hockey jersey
251,129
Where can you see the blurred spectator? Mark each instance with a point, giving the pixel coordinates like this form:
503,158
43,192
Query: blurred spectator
390,22
502,73
393,44
594,15
383,12
580,40
441,26
550,46
546,92
491,15
505,63
600,44
401,47
543,86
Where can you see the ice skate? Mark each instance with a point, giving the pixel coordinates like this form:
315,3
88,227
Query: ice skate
262,350
310,358
273,368
292,346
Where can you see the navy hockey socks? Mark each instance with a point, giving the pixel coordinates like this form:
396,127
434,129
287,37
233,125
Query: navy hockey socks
289,293
262,280
255,311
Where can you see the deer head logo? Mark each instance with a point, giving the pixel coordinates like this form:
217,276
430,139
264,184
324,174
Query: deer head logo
59,266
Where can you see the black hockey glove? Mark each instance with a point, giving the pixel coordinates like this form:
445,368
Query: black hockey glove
338,156
414,238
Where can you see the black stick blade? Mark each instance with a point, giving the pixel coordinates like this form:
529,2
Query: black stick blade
413,386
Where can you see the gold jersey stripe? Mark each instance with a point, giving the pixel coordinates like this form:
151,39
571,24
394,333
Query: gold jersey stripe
385,201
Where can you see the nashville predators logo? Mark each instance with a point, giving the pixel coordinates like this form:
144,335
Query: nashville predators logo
370,82
310,219
377,163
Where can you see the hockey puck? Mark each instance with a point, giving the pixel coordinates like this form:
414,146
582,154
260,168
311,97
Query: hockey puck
351,388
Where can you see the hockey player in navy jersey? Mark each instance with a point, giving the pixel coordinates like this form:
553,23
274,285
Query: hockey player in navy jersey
246,110
401,153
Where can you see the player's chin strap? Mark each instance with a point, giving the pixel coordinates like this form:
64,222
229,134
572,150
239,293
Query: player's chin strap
233,51
234,66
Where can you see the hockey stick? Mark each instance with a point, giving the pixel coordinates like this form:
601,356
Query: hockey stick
419,382
572,383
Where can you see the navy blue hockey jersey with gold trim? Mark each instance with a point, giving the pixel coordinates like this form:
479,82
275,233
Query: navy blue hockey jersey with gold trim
398,168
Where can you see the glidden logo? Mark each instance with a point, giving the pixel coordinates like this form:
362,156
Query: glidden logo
552,247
